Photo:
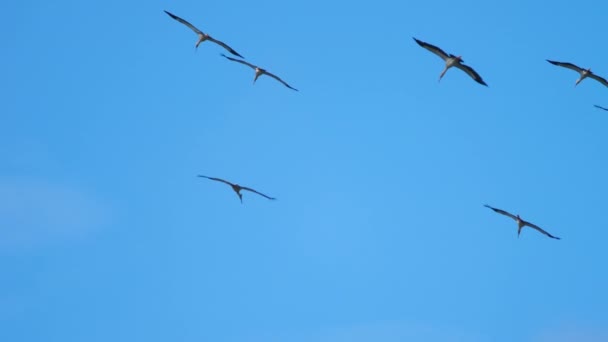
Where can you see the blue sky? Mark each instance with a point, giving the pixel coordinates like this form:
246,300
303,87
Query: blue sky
379,232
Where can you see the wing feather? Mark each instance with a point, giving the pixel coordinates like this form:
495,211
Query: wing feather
217,180
566,65
239,61
471,72
599,79
257,192
434,49
225,46
531,225
600,107
280,80
500,211
192,27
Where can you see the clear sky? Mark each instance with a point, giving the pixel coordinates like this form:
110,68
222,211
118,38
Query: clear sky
379,232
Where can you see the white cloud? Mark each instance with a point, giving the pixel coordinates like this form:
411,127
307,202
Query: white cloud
34,212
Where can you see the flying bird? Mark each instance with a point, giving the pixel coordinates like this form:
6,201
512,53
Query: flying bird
451,61
584,73
521,223
259,71
600,107
203,36
237,188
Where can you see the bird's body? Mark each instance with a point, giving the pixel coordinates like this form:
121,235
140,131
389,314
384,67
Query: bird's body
259,71
521,223
583,73
202,36
451,61
237,188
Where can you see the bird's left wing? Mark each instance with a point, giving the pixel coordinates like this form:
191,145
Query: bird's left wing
500,211
239,61
434,49
566,65
192,27
217,179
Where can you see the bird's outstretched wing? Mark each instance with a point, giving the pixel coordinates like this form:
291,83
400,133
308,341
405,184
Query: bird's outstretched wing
500,211
600,107
239,61
433,49
225,46
599,79
192,27
471,72
566,65
259,193
280,80
217,180
531,225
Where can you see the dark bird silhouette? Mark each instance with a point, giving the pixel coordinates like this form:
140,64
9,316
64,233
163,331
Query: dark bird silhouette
584,73
203,36
600,107
521,223
237,188
451,61
259,71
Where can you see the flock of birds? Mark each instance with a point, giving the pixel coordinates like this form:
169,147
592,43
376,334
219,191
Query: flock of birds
450,61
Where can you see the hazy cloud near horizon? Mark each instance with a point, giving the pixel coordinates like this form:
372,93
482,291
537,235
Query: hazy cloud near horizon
34,212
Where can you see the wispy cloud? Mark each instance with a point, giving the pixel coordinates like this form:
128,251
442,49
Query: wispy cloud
573,332
34,212
385,331
394,331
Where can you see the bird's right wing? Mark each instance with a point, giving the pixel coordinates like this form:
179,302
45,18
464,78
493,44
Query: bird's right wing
239,61
257,192
433,49
500,211
217,179
192,27
225,46
599,79
600,107
280,80
566,65
471,72
531,225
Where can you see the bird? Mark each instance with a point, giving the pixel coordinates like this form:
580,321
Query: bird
203,36
584,73
521,223
237,188
600,107
259,71
451,61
